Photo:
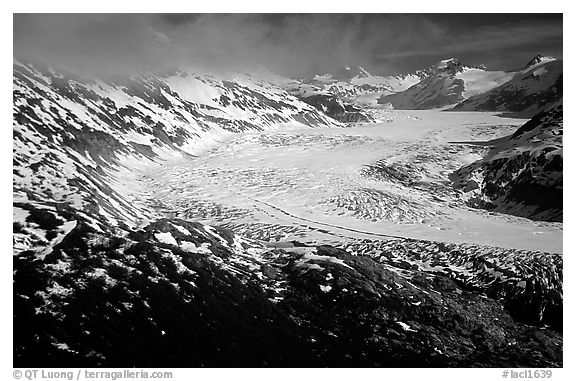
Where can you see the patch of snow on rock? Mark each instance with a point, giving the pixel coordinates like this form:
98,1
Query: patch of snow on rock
192,248
405,326
166,238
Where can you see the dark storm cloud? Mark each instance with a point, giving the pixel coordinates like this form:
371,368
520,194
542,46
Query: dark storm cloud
291,44
503,45
87,41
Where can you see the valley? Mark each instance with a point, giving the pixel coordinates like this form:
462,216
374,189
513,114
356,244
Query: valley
325,185
198,215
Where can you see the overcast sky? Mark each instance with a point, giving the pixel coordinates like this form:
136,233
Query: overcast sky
290,44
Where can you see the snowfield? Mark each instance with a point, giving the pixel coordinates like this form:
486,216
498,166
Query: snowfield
328,185
479,81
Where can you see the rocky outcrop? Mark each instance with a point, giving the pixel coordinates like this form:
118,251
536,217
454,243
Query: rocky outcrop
181,294
522,175
333,106
450,66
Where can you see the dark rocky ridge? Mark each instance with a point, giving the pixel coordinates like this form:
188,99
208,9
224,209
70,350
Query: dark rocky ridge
451,66
523,174
333,106
103,299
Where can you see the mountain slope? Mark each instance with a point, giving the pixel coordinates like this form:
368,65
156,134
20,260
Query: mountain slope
74,137
538,60
103,279
530,91
522,174
446,83
354,85
432,92
355,79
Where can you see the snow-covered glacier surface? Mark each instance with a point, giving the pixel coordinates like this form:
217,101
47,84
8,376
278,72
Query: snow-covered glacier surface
326,185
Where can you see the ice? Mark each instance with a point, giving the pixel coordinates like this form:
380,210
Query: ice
194,89
191,247
539,71
63,231
166,238
293,178
477,81
181,229
287,181
19,214
322,258
405,327
100,273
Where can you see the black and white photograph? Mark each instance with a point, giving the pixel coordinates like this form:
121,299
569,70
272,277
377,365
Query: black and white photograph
288,190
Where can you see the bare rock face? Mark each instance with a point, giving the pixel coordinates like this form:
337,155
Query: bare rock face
332,106
522,175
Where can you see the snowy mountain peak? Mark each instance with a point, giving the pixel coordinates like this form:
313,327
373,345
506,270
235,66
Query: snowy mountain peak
528,92
447,82
538,60
443,64
455,66
348,72
450,66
